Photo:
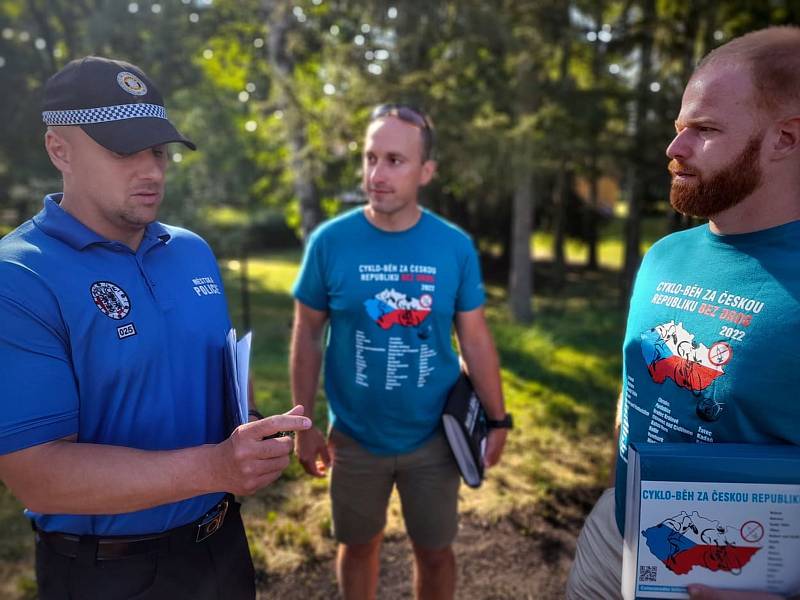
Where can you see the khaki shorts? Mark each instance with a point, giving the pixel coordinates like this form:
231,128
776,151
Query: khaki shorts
596,572
361,482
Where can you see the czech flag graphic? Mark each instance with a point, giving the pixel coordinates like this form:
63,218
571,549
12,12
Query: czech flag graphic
684,542
391,307
671,353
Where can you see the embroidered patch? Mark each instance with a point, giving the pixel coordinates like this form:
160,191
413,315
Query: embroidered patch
131,83
110,299
205,286
124,331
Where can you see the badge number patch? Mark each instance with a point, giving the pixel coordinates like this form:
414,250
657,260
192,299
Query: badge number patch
110,299
124,331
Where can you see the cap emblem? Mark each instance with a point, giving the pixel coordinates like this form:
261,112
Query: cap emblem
131,83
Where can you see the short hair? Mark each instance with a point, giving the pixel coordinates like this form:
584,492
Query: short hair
411,115
773,57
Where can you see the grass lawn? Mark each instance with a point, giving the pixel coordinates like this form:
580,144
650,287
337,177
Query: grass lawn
610,249
560,376
560,379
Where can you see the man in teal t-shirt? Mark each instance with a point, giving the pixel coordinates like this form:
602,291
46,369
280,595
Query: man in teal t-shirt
709,354
392,279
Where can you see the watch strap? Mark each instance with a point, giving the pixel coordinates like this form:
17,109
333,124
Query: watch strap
506,422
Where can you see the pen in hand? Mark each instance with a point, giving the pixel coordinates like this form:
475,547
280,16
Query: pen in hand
278,434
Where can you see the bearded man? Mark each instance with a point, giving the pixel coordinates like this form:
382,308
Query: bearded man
735,160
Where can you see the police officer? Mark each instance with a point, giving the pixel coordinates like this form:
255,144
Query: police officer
113,332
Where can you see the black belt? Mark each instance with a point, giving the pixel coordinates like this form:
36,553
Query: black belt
109,548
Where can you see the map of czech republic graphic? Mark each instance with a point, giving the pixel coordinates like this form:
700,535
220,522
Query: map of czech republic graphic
391,307
672,353
686,541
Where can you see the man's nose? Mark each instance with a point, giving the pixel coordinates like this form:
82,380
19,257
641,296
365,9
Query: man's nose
151,165
680,148
377,171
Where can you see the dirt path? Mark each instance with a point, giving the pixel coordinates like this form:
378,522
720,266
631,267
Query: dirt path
522,557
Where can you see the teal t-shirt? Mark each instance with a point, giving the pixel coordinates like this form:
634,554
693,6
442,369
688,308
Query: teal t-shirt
710,353
391,298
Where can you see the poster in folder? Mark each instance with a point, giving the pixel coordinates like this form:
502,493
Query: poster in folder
464,423
724,515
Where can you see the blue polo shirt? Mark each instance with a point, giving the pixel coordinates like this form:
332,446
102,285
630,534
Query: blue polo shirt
119,347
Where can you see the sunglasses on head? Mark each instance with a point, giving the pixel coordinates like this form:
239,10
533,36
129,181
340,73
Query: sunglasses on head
402,112
409,115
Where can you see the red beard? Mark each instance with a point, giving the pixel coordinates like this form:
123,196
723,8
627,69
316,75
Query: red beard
722,190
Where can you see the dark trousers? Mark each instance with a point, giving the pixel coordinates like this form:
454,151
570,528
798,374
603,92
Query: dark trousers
218,568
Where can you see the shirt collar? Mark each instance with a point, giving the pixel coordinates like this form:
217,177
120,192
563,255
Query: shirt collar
58,223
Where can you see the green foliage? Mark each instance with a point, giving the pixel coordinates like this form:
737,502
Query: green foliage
610,249
294,535
27,588
326,527
512,85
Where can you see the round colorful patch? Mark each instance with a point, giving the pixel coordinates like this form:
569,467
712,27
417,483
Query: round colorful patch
131,83
110,299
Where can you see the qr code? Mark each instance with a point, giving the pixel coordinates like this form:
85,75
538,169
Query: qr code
648,573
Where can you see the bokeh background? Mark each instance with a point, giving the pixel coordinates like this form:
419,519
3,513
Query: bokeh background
552,118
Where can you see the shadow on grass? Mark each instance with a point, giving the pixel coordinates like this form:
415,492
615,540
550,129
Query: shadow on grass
571,351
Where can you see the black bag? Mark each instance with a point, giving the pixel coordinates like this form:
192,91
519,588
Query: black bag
464,423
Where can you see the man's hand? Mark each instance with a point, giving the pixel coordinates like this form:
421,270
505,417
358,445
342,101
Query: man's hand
248,462
483,369
702,592
312,452
305,361
494,446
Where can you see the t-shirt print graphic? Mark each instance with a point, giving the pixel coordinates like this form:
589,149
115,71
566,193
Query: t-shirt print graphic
390,307
671,352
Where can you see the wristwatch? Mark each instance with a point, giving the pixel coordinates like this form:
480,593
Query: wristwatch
506,422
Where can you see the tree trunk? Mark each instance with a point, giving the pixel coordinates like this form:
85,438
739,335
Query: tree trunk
637,183
561,189
592,214
296,127
559,223
594,147
520,271
520,280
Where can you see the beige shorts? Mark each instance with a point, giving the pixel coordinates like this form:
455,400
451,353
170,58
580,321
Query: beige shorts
361,482
596,572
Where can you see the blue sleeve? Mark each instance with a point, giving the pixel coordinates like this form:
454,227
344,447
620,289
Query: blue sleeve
37,388
309,287
471,294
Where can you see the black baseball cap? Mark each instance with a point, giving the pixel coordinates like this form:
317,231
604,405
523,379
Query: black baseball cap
113,102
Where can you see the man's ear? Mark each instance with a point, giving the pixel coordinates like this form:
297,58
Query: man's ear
428,171
787,140
58,149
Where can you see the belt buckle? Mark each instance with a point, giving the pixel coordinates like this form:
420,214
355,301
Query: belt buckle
212,521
